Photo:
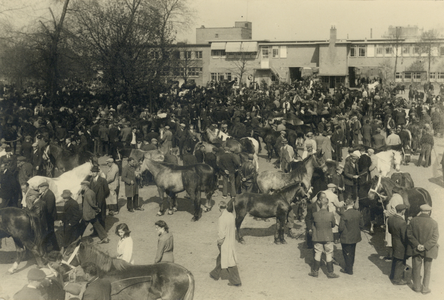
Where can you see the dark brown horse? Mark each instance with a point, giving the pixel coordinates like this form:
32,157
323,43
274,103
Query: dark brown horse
62,160
25,229
267,206
166,281
404,179
385,187
269,181
175,179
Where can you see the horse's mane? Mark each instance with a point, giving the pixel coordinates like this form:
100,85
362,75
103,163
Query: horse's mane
90,253
301,168
78,172
289,187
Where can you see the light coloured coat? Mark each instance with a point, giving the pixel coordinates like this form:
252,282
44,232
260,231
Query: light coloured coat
227,236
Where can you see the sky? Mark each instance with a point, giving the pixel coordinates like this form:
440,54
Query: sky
303,20
281,20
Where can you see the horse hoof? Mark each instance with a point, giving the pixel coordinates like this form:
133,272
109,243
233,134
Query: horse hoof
241,241
194,219
283,242
277,242
11,271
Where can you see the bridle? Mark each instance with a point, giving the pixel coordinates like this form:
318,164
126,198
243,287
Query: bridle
375,190
75,254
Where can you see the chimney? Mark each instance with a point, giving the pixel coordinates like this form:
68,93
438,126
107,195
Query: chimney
333,35
371,33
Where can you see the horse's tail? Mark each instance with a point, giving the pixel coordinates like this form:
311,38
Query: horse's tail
36,227
189,295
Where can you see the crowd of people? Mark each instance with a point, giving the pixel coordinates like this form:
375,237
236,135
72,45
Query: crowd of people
305,115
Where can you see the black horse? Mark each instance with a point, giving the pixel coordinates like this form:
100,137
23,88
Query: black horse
166,281
267,206
174,179
62,160
385,187
25,229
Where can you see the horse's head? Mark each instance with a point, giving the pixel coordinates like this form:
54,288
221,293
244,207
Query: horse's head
378,188
396,159
319,160
155,155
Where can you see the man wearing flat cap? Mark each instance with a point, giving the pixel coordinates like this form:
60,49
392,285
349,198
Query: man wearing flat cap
397,227
25,170
71,219
422,234
90,211
31,290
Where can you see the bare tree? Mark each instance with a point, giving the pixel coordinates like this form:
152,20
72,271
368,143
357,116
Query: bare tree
428,42
242,64
385,68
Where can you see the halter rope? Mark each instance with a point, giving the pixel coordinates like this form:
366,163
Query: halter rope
375,190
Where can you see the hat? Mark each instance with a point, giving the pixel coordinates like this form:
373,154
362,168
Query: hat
66,194
224,125
36,274
331,185
310,133
84,182
425,207
44,183
21,158
356,153
339,167
153,139
285,141
283,132
182,124
110,160
28,137
95,169
167,127
400,207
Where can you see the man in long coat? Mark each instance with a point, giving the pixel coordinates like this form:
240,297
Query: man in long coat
350,233
112,177
100,187
226,260
48,198
397,227
131,186
423,234
71,219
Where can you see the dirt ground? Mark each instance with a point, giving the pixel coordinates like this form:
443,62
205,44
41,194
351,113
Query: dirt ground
267,271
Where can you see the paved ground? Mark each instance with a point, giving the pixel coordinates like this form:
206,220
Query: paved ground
267,271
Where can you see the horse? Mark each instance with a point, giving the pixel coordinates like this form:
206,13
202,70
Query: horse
403,179
267,206
168,281
269,136
63,160
269,181
174,179
385,187
25,229
67,181
387,159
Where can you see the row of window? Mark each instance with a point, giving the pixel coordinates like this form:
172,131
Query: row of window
187,71
220,76
418,75
181,54
389,50
276,52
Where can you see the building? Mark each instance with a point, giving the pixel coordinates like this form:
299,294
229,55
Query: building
232,54
241,31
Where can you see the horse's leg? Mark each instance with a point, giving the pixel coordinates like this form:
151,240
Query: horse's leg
20,250
162,207
195,197
240,215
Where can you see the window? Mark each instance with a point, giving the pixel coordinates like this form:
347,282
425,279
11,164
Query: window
405,50
352,51
388,50
362,51
379,50
441,50
432,75
440,75
198,54
264,52
228,76
218,53
416,75
176,55
398,75
275,52
187,54
283,51
416,50
213,76
407,75
220,76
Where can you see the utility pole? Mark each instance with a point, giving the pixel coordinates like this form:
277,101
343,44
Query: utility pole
398,32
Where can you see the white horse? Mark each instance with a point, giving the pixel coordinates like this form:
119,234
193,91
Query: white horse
67,181
387,160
